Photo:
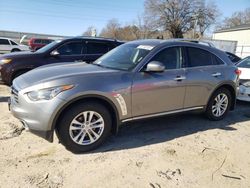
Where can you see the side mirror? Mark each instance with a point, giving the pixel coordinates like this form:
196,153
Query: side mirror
155,66
54,53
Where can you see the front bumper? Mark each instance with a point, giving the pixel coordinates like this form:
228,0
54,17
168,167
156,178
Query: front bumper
244,93
37,117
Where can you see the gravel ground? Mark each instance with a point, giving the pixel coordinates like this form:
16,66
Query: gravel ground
176,151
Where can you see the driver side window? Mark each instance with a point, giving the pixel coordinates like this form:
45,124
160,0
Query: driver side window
71,48
171,57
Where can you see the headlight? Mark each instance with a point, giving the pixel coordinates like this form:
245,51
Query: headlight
48,93
4,61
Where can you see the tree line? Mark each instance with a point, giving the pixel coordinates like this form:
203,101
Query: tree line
173,19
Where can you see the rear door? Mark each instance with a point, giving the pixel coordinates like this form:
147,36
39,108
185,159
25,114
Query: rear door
204,72
5,46
95,49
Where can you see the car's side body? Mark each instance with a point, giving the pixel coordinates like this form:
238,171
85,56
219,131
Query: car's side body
8,45
85,50
129,95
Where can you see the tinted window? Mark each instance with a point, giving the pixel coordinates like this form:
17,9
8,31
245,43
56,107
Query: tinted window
13,43
4,42
97,48
37,41
71,48
46,41
198,57
245,63
170,57
217,61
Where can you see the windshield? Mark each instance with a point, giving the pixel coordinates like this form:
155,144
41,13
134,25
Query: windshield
245,63
47,47
124,57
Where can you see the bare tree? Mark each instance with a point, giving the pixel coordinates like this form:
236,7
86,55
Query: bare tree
180,16
89,31
205,15
111,30
237,18
174,16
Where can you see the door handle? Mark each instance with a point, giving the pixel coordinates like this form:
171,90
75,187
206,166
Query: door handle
179,78
216,74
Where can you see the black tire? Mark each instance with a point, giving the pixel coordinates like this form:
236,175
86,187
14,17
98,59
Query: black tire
209,112
63,127
15,50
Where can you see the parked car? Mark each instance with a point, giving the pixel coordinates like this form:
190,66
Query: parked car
68,50
37,43
234,58
8,45
84,103
244,89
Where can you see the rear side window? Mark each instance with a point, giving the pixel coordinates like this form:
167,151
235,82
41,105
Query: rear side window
170,57
198,57
13,43
4,42
217,61
37,41
71,48
97,48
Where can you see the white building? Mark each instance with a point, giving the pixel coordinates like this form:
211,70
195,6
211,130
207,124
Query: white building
241,34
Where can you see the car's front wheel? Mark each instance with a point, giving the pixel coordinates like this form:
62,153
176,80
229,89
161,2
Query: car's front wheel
219,104
84,127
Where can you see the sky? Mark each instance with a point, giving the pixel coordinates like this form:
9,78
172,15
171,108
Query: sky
73,17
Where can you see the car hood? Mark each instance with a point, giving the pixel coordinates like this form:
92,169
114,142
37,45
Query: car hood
59,71
245,73
14,55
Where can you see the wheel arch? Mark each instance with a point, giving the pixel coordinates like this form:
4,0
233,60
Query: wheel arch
15,50
231,89
88,98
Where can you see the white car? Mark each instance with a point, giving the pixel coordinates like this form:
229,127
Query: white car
244,90
8,45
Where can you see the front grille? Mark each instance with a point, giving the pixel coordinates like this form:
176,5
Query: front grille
14,93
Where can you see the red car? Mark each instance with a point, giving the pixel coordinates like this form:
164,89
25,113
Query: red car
37,43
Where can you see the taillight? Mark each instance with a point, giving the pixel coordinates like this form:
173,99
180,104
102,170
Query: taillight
238,72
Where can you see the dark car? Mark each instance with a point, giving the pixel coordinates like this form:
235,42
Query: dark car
37,43
78,49
234,58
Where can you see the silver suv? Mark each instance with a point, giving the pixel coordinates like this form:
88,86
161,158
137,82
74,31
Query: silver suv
84,103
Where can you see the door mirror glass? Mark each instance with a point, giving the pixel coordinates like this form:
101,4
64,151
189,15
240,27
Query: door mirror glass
54,53
155,66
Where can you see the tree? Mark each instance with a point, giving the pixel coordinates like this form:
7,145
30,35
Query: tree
89,31
206,15
237,18
180,16
174,16
111,30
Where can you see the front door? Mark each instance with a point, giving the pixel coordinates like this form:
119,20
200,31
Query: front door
70,52
154,93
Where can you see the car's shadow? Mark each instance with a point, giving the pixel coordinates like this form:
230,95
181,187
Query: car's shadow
157,130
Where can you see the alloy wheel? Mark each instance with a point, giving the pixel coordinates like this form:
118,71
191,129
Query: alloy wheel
86,128
220,105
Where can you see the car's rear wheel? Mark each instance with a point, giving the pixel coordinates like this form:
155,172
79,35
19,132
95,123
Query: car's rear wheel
84,127
219,104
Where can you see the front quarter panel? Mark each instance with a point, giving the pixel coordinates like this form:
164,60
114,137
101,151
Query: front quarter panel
114,88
